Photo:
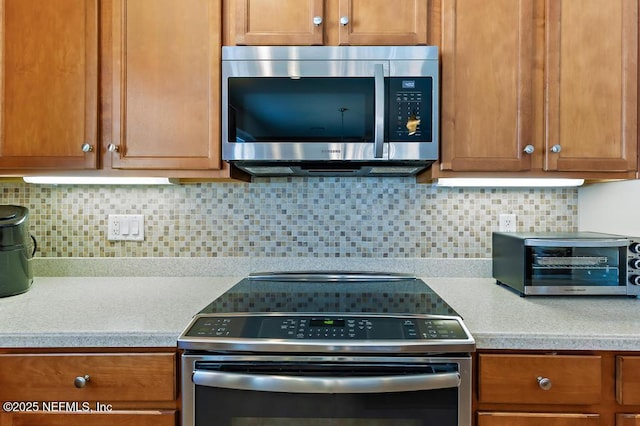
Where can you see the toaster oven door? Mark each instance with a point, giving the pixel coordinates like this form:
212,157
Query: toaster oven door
568,267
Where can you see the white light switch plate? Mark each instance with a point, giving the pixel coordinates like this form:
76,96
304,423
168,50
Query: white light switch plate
125,227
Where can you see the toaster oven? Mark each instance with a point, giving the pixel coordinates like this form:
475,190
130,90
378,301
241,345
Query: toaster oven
577,263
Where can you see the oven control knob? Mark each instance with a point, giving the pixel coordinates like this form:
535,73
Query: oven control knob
634,279
81,381
544,383
634,263
634,248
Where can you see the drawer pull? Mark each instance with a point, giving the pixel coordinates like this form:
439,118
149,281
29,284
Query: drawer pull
81,381
544,383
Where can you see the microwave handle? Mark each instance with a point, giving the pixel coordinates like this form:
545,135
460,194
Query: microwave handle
307,384
378,134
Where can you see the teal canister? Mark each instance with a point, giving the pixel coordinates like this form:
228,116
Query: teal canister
17,248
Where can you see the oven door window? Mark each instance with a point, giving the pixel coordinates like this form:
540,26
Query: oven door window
366,407
576,266
283,109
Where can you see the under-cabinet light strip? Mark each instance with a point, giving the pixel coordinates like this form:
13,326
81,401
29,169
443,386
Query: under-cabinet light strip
84,180
508,182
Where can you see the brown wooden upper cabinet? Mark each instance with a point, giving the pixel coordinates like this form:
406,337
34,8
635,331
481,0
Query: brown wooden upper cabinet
111,85
337,22
165,87
540,86
49,83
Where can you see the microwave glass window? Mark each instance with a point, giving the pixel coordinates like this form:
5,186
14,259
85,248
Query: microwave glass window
307,109
584,266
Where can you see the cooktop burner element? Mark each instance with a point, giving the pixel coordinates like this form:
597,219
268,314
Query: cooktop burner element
345,312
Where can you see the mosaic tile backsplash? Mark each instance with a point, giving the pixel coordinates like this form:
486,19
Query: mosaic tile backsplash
280,217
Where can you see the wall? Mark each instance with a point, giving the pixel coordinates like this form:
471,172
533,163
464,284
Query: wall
319,217
610,207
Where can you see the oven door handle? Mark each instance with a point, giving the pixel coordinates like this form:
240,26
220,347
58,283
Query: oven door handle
306,384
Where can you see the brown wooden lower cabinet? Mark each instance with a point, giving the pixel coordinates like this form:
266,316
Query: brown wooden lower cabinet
121,418
95,387
563,388
537,419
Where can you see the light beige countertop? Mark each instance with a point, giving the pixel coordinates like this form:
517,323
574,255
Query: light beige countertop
152,311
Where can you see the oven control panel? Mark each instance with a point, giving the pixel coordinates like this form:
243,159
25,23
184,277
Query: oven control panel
327,328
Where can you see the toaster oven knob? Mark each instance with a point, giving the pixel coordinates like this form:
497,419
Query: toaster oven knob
634,248
544,383
634,279
634,263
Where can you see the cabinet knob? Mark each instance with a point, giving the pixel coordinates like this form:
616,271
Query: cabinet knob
113,148
344,20
81,381
87,147
556,149
544,383
317,20
529,149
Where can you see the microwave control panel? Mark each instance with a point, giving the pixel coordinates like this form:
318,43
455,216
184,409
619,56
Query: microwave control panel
409,109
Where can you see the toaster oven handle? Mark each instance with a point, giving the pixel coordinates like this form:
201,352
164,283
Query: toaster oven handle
307,384
378,133
550,242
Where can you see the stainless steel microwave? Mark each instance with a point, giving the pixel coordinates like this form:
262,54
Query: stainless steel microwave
579,263
329,110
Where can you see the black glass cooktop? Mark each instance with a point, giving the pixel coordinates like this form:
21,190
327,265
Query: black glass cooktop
366,313
331,293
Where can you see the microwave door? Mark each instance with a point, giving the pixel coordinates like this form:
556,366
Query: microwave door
304,110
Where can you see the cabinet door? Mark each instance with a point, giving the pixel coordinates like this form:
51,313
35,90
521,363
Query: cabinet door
279,22
383,22
166,78
123,418
487,66
537,419
628,380
49,83
592,76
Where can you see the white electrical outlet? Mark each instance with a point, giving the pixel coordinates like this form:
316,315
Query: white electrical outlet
507,223
125,227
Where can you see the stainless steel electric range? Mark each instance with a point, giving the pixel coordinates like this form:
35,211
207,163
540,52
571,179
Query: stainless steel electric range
320,349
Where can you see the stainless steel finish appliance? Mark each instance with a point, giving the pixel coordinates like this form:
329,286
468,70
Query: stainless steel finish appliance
17,248
327,349
580,263
322,110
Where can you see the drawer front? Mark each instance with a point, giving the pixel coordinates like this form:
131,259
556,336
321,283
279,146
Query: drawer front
111,377
522,379
628,420
120,418
628,380
537,419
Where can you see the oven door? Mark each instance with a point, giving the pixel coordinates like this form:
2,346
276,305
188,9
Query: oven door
326,391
